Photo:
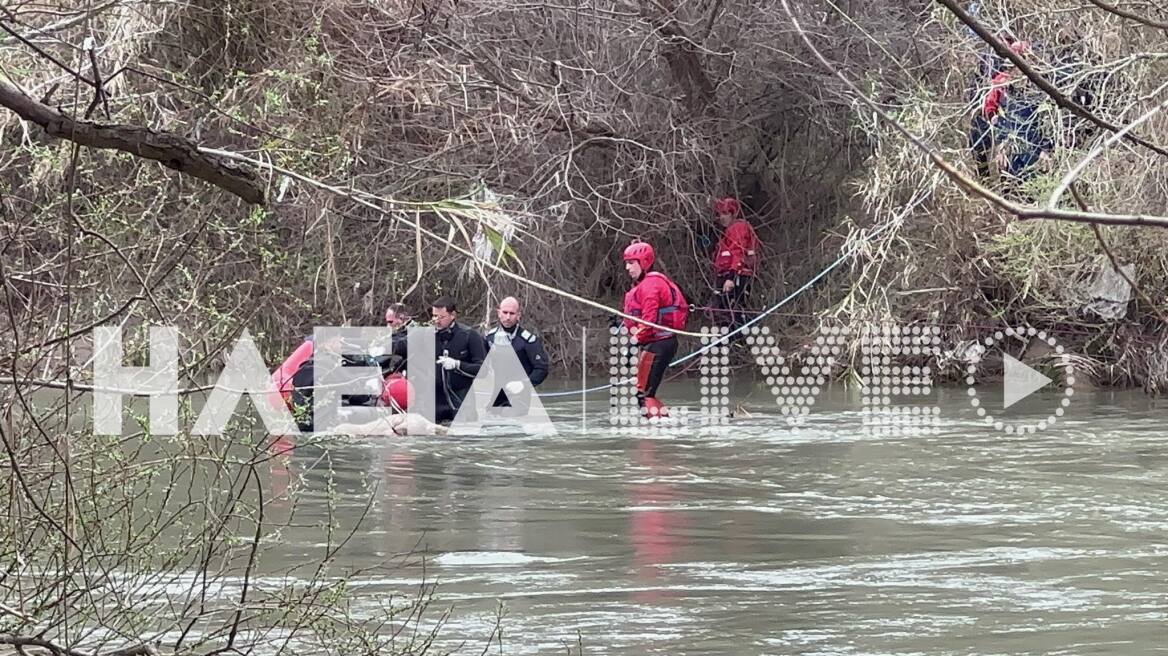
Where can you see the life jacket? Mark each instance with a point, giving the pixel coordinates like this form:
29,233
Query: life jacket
676,314
673,315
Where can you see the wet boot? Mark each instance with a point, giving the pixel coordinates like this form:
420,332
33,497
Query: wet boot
654,408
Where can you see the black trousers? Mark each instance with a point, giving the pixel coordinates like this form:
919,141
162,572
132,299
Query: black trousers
654,360
728,307
447,399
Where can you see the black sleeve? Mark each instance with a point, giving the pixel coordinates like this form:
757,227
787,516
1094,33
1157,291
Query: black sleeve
476,351
302,408
538,358
395,361
302,384
398,346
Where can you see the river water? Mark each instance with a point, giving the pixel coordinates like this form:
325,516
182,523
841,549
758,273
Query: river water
761,538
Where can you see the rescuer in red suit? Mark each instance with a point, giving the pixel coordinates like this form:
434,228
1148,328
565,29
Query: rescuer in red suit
655,299
735,262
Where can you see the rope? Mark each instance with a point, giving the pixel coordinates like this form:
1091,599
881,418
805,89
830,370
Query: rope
790,297
360,197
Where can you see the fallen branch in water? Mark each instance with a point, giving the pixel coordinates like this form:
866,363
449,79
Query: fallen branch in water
1130,15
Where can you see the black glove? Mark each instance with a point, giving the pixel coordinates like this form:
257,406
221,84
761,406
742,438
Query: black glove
614,321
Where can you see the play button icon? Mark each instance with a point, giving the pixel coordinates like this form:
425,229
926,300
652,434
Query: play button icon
1019,381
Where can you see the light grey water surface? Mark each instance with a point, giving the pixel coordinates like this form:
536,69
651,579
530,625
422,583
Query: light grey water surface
763,539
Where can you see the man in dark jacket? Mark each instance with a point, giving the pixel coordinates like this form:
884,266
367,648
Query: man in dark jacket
460,352
528,347
1013,110
399,319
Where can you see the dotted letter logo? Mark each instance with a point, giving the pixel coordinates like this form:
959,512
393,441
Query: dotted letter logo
885,347
622,374
796,393
1020,381
715,376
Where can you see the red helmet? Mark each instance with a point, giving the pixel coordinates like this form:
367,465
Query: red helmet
397,393
642,253
727,205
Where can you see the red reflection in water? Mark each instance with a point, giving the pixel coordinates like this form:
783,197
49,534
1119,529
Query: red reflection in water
656,527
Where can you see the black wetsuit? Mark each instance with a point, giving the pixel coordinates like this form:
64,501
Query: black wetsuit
303,382
728,307
651,366
465,345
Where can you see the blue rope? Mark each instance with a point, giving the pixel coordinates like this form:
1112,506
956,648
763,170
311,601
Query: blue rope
790,297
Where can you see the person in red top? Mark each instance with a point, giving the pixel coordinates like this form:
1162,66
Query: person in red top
735,262
1001,83
656,299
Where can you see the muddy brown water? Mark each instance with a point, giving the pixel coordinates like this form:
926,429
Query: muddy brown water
759,538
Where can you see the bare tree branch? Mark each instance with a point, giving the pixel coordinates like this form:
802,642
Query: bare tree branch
57,650
1129,15
171,150
32,46
1037,78
135,650
360,198
714,13
966,183
1078,169
29,641
1115,261
66,23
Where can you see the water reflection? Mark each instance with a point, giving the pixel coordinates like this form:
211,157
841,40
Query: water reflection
656,525
765,539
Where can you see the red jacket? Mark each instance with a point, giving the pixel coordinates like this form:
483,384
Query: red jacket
999,86
657,299
737,250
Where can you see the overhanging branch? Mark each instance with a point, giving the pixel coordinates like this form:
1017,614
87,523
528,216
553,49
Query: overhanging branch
1038,80
969,185
1130,15
169,149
